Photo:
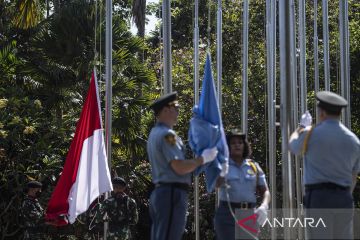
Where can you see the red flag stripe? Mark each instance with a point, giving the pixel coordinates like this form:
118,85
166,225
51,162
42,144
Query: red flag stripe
89,122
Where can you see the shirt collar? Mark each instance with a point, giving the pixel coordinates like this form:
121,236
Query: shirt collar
331,121
232,162
161,124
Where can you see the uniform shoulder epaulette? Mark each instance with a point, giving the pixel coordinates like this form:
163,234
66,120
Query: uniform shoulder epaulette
252,164
170,137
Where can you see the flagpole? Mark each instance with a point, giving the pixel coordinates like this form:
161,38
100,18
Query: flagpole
294,101
219,70
285,99
303,98
302,37
316,56
271,90
345,59
196,96
244,121
326,44
303,104
219,53
108,116
166,17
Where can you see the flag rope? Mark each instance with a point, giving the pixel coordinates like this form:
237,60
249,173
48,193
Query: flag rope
227,186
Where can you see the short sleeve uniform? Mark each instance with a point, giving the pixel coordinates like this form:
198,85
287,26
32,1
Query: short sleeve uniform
163,146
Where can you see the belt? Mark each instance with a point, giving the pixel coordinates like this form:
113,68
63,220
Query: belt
241,205
182,186
326,185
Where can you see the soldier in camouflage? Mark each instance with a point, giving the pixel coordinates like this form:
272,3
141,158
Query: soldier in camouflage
94,221
120,211
31,212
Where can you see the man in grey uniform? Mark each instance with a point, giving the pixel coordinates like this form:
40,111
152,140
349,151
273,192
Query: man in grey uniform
171,172
331,165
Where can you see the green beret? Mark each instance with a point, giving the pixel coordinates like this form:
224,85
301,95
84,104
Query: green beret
163,101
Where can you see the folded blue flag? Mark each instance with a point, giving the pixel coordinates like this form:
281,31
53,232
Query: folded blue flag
206,129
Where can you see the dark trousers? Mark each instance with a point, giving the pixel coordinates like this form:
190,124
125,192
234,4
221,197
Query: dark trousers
168,206
224,223
335,207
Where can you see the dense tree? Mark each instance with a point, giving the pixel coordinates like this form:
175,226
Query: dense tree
45,74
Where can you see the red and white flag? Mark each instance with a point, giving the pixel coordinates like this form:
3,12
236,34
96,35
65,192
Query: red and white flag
86,173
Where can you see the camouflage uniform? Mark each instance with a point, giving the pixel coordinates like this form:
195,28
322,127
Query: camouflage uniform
94,222
121,214
32,215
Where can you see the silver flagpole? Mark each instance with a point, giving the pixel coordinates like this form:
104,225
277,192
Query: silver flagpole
345,59
326,44
273,75
285,100
108,69
196,96
167,46
219,53
271,81
302,38
196,52
303,104
316,54
219,71
244,121
295,109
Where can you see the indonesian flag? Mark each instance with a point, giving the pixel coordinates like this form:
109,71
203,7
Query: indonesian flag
86,174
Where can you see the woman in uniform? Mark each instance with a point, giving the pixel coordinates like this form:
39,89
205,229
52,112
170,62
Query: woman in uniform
238,189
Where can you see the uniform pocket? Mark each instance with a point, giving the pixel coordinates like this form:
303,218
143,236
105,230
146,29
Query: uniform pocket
249,174
234,174
250,177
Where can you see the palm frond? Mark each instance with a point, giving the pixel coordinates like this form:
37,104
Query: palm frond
139,13
28,14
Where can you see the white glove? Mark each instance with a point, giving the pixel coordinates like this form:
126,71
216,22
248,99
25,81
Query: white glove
224,169
261,213
306,119
209,154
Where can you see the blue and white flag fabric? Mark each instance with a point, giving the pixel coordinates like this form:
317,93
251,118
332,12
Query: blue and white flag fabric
206,129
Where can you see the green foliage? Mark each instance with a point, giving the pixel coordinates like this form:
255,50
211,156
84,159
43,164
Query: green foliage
45,74
31,147
29,13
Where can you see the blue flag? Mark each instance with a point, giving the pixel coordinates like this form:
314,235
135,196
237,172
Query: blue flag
206,129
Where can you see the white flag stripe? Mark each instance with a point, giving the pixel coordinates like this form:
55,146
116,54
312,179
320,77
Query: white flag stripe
89,183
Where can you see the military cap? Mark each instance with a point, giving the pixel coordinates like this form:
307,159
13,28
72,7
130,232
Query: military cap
330,101
235,133
34,184
165,100
119,181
